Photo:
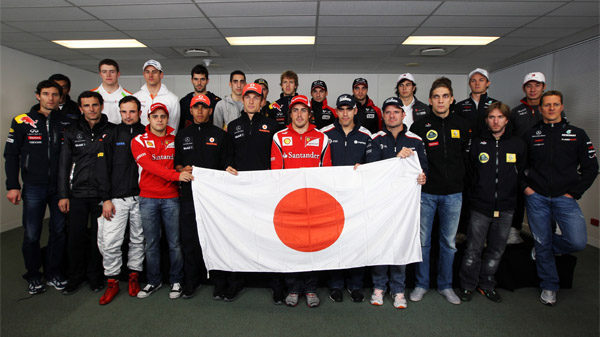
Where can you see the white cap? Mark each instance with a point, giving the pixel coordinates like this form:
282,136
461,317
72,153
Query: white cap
153,63
406,76
536,76
480,71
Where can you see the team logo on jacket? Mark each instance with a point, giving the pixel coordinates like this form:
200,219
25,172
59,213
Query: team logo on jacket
211,141
149,143
455,133
20,119
287,141
511,158
264,128
170,144
312,141
484,157
431,135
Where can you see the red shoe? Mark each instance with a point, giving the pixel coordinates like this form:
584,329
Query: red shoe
134,285
112,290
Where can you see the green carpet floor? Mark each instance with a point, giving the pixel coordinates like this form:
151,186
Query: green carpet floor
253,313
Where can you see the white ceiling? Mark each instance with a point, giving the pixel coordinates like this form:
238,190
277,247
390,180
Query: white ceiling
352,36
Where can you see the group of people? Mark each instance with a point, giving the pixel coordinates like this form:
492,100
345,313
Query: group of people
115,163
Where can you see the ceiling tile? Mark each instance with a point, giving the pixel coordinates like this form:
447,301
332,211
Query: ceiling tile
32,44
564,21
578,9
265,31
46,14
364,31
373,21
145,12
520,41
8,28
355,51
62,26
264,21
174,34
259,9
476,21
377,7
18,36
198,43
542,32
83,35
123,2
482,31
176,23
122,54
524,8
32,3
363,40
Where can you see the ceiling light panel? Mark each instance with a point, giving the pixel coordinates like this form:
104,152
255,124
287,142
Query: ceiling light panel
86,44
270,40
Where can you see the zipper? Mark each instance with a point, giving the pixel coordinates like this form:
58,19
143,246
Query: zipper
445,149
49,139
496,180
71,176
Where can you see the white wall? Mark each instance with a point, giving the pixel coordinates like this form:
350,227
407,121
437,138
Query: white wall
574,72
19,74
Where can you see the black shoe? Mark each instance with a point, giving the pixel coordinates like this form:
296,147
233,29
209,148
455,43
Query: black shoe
278,296
491,294
465,295
231,293
97,285
188,291
71,288
219,292
36,287
356,295
336,295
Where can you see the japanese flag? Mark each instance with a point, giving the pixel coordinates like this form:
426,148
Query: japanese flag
309,219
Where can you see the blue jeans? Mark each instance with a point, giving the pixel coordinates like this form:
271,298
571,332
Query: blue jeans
448,208
542,212
396,278
35,200
354,278
153,211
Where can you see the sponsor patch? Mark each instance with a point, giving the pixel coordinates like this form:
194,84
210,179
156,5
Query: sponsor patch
511,158
10,140
149,143
100,154
484,157
455,133
431,135
287,141
370,116
432,144
34,137
120,144
312,141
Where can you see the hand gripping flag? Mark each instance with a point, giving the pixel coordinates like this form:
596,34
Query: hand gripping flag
310,218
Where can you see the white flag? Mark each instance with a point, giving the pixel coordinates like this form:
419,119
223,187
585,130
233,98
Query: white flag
310,218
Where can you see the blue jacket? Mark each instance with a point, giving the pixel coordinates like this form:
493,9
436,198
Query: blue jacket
385,146
350,149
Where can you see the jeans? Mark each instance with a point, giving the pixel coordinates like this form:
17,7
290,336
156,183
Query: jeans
35,200
396,279
354,278
303,282
153,211
477,270
542,212
448,207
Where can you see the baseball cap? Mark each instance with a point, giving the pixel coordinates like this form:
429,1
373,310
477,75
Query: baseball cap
262,81
392,101
299,99
318,84
535,76
345,100
360,80
480,71
157,106
406,76
252,87
202,99
153,63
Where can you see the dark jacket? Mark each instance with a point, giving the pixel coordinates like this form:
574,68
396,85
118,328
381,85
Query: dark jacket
560,159
186,118
252,141
524,117
323,114
496,170
33,147
385,146
78,165
70,109
474,114
419,110
347,149
369,116
447,144
202,145
118,166
278,111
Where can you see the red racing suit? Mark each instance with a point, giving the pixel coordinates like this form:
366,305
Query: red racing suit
293,150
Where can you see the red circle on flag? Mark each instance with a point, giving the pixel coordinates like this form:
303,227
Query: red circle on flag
308,220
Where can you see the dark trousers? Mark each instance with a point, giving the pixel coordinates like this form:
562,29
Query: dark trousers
193,263
299,283
82,240
479,265
353,277
517,221
35,200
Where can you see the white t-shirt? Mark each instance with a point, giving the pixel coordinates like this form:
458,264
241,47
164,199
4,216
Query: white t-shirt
408,118
111,102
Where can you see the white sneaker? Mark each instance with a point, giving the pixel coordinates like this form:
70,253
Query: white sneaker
514,237
377,297
548,297
450,296
291,300
417,294
148,290
175,291
400,301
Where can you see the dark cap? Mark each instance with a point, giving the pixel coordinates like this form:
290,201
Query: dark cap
318,84
345,100
359,81
395,101
262,81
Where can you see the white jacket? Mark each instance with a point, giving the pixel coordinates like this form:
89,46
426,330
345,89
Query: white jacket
226,110
111,102
165,97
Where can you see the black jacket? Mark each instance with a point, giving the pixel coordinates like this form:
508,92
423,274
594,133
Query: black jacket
385,146
496,170
474,114
524,117
419,110
350,149
118,166
447,143
252,140
70,109
323,114
560,159
78,166
33,147
278,111
369,116
202,145
186,118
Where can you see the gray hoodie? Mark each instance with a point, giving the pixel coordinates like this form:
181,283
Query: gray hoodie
226,110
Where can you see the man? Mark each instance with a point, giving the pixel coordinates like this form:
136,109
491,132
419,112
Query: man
153,152
230,107
279,109
474,108
561,166
446,137
394,141
204,145
368,114
406,89
497,159
264,104
110,89
300,145
79,191
67,106
156,92
33,147
349,143
121,202
199,82
323,114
